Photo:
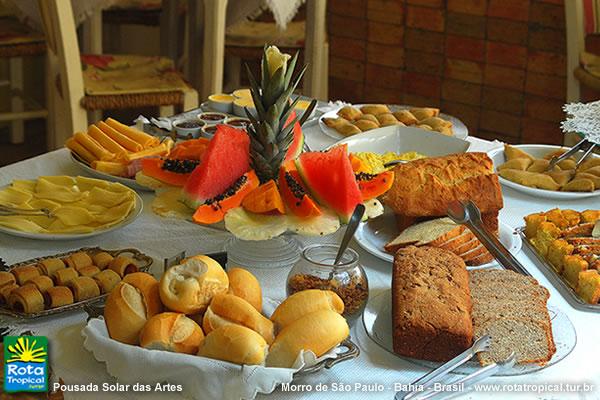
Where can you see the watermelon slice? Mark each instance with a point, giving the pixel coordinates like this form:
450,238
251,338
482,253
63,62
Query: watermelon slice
225,160
330,179
298,143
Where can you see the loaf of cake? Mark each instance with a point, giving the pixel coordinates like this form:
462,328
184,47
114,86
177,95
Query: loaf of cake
425,187
431,304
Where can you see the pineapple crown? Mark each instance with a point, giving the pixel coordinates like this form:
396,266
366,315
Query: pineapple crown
270,136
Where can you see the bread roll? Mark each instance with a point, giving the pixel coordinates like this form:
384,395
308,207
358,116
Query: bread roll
305,302
89,271
42,282
6,278
102,259
63,276
245,285
123,265
84,288
78,260
147,285
171,331
226,309
236,344
5,292
58,296
107,280
25,273
125,313
318,332
190,286
27,299
50,265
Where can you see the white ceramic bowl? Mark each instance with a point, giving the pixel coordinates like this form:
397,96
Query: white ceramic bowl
208,131
221,102
237,122
194,127
539,151
212,118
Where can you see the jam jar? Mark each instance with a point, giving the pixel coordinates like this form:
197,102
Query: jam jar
316,270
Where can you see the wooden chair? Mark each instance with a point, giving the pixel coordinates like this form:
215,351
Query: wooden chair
73,93
16,42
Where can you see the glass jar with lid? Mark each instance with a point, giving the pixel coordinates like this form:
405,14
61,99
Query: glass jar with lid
316,270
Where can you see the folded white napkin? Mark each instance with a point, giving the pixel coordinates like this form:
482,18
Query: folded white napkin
200,377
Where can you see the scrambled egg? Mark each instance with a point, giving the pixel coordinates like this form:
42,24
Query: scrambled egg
374,162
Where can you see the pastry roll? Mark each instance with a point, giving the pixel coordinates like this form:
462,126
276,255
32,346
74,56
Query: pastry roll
6,278
81,151
516,163
89,271
79,260
64,276
51,265
422,113
27,299
25,273
365,125
93,147
42,282
102,259
368,117
511,152
5,292
375,109
123,265
106,142
84,288
350,113
406,117
387,119
137,136
58,296
118,137
107,280
436,123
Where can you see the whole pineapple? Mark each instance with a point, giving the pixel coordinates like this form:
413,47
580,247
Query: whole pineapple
270,136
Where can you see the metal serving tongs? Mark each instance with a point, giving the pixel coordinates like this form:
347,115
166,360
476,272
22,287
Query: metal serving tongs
10,211
481,344
467,213
465,383
582,143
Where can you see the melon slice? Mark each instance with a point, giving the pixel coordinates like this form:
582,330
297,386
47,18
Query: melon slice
330,178
226,159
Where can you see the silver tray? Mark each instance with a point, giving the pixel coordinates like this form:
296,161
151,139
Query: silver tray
558,281
144,263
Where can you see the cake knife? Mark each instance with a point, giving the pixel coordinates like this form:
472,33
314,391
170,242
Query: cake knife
467,213
480,344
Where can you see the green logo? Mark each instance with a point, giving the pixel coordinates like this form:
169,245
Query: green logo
25,364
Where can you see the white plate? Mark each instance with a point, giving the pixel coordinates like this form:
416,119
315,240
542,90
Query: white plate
139,206
402,139
373,234
377,320
459,128
539,151
129,182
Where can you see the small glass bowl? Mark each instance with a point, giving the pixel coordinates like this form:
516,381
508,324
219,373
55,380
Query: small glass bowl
315,270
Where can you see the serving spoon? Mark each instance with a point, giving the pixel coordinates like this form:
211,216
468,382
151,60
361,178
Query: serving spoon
355,219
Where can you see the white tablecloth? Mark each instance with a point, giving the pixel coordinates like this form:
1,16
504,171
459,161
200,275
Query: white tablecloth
161,238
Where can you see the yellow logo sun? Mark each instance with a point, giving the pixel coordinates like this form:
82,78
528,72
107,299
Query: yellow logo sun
25,351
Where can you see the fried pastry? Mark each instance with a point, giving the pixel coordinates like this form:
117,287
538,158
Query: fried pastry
406,117
593,178
590,163
531,179
567,164
50,265
511,152
579,185
335,122
593,170
444,130
540,165
436,123
561,177
350,113
368,117
422,113
387,119
343,126
516,163
58,296
375,109
365,125
426,127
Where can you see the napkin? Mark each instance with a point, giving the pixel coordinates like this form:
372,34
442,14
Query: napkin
200,377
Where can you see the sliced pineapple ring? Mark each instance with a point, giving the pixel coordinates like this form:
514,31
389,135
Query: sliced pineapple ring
167,204
250,226
326,223
373,208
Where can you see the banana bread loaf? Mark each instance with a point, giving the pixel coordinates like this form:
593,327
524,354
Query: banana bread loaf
431,304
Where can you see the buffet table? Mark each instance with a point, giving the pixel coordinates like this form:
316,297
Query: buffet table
373,374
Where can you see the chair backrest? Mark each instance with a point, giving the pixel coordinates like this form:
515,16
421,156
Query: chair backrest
65,78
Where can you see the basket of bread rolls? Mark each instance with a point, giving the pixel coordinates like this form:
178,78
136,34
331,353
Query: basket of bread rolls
204,329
